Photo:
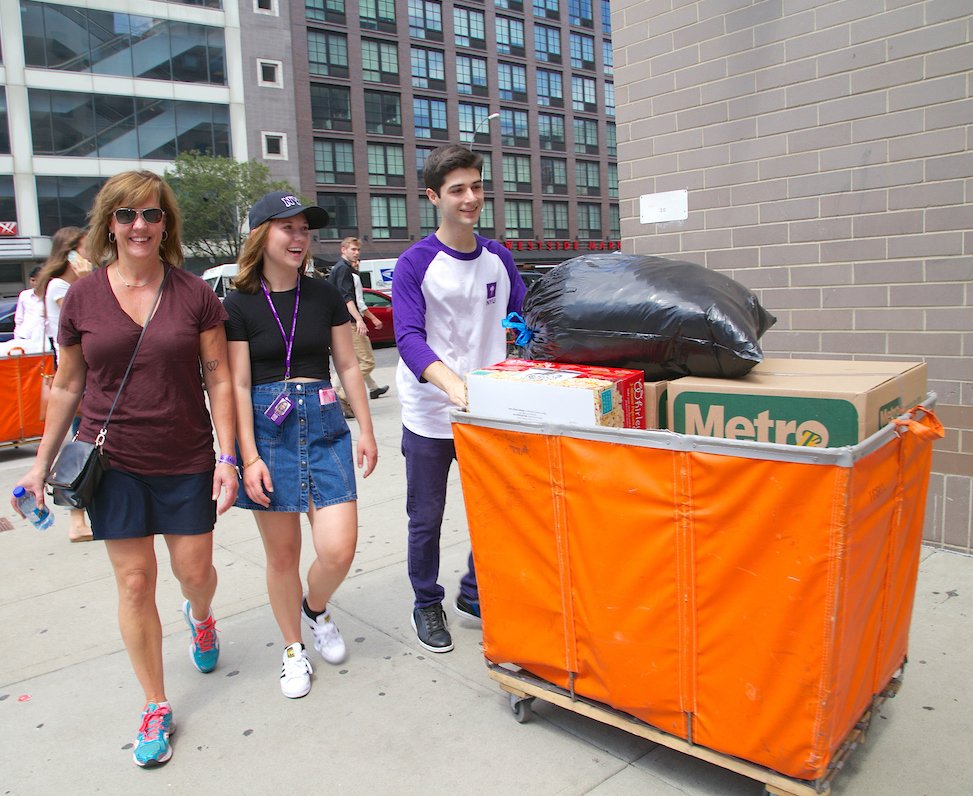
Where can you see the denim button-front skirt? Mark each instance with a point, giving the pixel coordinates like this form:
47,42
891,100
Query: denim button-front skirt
309,454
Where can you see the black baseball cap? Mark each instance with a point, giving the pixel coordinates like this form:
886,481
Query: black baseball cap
281,204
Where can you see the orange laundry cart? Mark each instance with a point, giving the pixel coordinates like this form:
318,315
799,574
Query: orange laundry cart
21,384
750,598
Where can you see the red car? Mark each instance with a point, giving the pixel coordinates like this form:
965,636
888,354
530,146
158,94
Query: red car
380,304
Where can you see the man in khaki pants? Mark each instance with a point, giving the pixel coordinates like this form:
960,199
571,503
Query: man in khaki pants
344,276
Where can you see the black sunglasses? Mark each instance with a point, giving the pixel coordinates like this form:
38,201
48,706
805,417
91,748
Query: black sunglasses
127,215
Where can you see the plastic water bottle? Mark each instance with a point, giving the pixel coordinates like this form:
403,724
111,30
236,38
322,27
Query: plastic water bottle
41,519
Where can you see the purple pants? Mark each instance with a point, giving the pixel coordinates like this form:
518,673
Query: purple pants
427,463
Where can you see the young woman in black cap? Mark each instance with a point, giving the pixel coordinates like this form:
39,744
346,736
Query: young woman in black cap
294,443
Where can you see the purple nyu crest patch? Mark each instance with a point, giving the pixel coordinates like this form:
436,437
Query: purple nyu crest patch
491,297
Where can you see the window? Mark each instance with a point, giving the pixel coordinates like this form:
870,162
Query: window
550,90
609,99
589,221
547,44
583,96
330,107
471,75
334,162
469,28
486,172
579,13
554,218
426,20
4,129
79,39
547,9
471,118
322,10
428,69
386,164
550,128
389,217
270,73
611,140
274,145
516,173
582,51
421,154
615,220
514,129
585,136
343,210
430,118
554,175
487,224
606,18
61,201
380,61
79,124
428,217
8,200
510,5
327,54
265,7
510,36
377,15
607,58
587,179
512,81
383,113
613,180
518,217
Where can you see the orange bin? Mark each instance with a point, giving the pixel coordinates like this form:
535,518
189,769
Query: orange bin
21,380
750,598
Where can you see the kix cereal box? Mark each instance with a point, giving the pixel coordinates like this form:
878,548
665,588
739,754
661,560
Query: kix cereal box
551,392
811,402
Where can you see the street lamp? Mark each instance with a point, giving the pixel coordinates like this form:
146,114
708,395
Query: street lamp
484,121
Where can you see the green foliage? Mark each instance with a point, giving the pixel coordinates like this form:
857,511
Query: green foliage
215,194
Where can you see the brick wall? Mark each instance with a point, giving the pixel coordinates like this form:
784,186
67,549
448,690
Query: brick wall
826,150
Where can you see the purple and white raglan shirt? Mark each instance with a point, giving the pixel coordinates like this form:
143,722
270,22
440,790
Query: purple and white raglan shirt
449,306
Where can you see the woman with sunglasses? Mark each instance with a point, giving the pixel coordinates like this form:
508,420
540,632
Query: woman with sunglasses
163,476
295,446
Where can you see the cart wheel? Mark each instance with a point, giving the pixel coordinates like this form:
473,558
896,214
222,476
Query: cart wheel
521,708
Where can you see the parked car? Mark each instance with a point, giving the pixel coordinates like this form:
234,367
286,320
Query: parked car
380,304
8,308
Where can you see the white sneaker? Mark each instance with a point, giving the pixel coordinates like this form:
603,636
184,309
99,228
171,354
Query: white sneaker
295,673
327,637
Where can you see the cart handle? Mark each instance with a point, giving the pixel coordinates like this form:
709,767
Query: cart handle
922,422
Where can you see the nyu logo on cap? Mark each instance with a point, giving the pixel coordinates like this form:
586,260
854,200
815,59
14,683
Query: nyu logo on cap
281,204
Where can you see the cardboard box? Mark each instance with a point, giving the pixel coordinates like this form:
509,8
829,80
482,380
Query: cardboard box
657,404
551,392
810,402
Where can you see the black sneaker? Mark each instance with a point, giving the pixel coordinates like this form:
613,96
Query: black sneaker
430,626
378,392
467,609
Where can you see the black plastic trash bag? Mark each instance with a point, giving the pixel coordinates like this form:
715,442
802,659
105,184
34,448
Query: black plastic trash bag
666,317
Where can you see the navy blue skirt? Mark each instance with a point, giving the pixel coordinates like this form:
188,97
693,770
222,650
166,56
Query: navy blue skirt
130,506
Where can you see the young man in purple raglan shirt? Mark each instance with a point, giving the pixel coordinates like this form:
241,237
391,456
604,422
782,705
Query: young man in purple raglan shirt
451,291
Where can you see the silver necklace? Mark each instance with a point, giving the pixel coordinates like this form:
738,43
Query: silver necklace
118,271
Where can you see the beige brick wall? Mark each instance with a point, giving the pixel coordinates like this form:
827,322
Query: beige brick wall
826,150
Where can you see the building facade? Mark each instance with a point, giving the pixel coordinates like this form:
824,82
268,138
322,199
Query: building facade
825,149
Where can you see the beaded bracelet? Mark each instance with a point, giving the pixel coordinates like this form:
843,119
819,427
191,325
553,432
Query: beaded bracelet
254,460
226,458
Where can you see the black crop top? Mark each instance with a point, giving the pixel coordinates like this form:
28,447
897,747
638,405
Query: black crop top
251,320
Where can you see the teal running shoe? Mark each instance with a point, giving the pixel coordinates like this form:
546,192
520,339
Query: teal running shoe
204,648
152,744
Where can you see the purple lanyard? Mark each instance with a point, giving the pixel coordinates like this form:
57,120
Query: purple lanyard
288,340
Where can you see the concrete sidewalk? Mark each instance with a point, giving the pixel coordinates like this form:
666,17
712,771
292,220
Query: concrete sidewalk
392,718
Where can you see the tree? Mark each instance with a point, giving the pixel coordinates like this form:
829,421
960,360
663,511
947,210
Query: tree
215,194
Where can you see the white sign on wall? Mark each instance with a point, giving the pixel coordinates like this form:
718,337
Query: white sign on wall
665,206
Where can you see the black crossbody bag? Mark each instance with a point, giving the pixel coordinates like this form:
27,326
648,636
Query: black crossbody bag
79,466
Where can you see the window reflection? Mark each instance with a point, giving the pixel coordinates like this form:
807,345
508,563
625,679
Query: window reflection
127,45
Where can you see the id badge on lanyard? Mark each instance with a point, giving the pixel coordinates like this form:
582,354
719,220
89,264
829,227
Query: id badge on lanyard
282,404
